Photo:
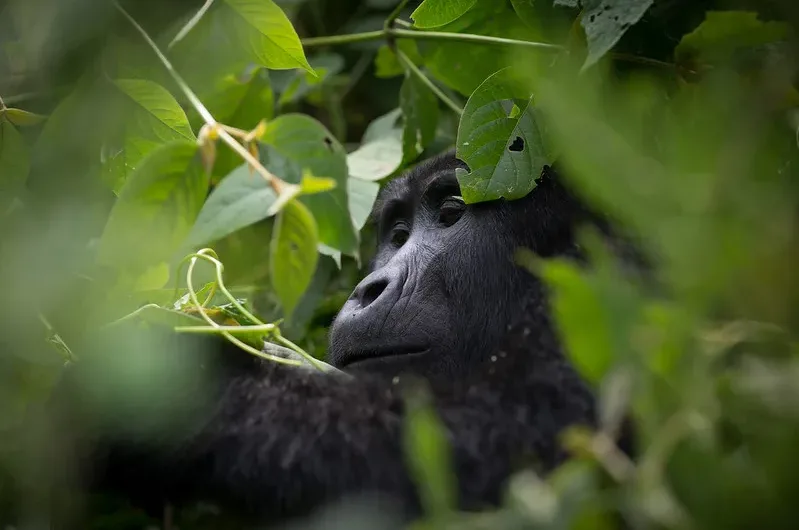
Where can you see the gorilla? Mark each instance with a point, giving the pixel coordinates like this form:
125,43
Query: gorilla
444,302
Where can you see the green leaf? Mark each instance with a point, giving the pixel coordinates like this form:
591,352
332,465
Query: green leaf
308,144
23,118
362,199
155,210
380,154
155,119
272,39
435,13
420,108
723,34
241,199
293,254
14,163
463,66
526,11
297,85
311,184
605,21
502,139
386,62
430,458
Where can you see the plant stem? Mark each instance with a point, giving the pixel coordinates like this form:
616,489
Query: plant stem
191,23
344,39
427,35
389,23
277,185
408,64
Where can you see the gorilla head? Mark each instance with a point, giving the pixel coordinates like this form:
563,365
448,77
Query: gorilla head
444,287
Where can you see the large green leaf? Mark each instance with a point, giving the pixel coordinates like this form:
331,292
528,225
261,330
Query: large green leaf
14,163
293,255
241,199
153,118
723,34
435,13
271,38
605,21
502,140
307,143
380,153
156,209
420,108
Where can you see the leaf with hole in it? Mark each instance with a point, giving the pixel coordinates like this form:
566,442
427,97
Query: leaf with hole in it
723,34
501,137
420,108
272,38
293,255
14,163
23,118
309,145
605,21
155,210
153,119
435,13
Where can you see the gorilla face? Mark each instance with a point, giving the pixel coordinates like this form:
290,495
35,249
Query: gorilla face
443,286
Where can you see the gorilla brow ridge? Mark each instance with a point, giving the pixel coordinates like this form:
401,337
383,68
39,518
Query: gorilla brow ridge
412,183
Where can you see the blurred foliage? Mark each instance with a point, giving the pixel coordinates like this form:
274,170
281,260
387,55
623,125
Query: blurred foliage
679,117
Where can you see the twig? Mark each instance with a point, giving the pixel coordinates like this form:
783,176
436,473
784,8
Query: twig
408,64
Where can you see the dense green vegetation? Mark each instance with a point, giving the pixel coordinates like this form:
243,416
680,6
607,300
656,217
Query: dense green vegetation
204,165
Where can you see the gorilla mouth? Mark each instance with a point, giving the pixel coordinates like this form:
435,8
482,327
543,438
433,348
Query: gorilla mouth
368,354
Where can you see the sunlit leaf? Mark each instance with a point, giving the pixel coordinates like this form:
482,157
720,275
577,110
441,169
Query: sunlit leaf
273,41
381,153
420,108
309,145
14,163
154,119
293,254
605,21
434,13
156,209
312,184
502,139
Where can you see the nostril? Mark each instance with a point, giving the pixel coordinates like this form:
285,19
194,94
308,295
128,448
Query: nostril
371,291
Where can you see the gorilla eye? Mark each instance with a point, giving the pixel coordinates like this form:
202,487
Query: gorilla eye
399,234
451,209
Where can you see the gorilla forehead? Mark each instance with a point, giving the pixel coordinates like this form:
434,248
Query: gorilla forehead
411,184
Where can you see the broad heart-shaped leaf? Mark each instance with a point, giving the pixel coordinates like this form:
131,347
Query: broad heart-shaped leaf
435,13
155,210
381,151
293,255
723,33
307,143
154,118
605,21
15,163
420,108
502,140
271,37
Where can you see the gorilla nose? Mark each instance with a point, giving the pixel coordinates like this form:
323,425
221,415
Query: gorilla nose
370,290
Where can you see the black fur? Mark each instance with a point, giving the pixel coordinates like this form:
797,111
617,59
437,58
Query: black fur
277,441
